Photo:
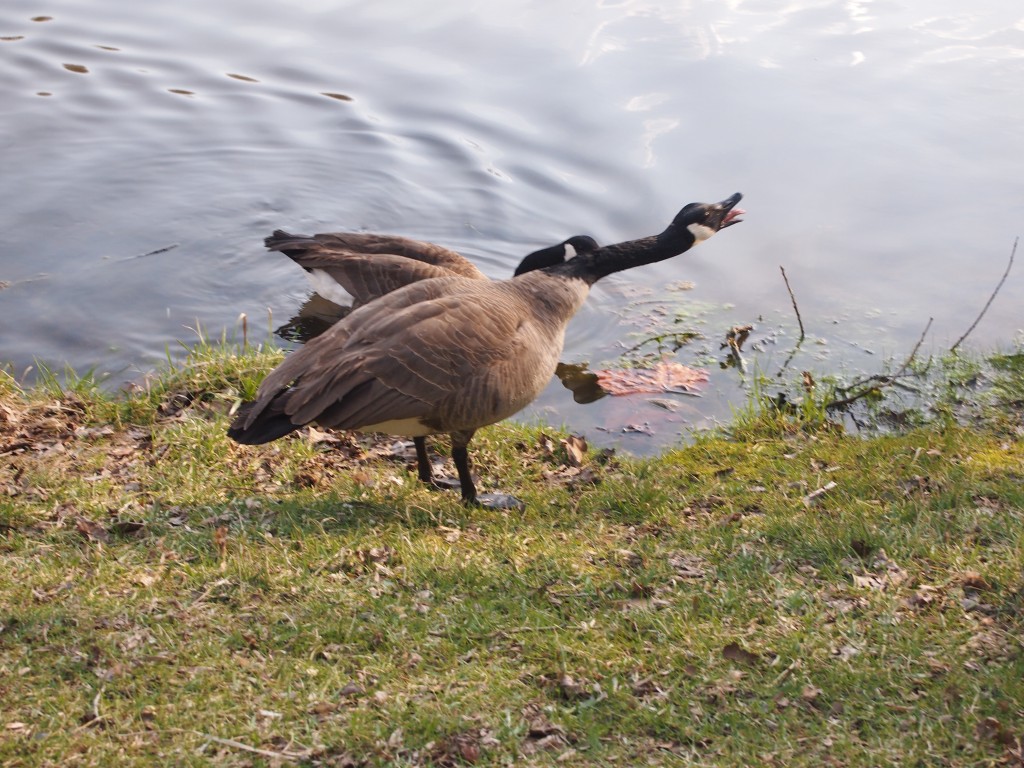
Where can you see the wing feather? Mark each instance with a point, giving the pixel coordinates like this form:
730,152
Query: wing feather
454,353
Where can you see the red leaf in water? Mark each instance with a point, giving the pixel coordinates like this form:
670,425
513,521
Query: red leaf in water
663,377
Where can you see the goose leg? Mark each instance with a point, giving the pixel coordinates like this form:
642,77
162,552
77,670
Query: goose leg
424,469
422,460
460,455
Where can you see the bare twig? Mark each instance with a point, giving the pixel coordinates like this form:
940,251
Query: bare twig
789,359
678,339
883,381
1013,252
810,497
254,750
913,352
793,299
520,630
734,340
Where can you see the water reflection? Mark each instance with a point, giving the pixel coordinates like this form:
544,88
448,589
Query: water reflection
582,383
314,317
877,143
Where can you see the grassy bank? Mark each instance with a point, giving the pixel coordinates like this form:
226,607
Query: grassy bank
785,595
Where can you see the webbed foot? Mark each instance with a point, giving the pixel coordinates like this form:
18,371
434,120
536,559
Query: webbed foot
498,501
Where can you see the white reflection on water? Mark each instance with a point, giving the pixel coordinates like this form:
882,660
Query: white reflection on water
877,143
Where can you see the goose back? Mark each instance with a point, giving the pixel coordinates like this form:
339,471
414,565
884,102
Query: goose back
356,268
444,355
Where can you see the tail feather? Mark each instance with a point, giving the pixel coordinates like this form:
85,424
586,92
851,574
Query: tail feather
290,245
269,425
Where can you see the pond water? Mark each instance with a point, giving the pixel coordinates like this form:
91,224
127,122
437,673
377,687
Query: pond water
147,149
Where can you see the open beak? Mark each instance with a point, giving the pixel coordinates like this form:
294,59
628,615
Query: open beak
729,212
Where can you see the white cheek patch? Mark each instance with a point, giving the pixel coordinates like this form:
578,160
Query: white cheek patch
700,232
569,251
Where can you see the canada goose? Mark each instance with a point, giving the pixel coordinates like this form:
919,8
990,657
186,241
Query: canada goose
451,354
355,268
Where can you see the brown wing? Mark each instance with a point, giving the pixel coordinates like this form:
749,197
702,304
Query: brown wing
368,277
454,353
318,250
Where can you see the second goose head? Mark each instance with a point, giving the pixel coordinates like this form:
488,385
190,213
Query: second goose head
556,254
694,224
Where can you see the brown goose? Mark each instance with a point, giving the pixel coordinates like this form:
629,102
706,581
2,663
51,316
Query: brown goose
355,268
451,354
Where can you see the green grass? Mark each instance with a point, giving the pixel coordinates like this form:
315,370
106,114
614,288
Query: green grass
170,597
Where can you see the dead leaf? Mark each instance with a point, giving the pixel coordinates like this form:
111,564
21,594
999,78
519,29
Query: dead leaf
737,336
990,729
542,734
672,406
127,527
869,582
363,478
92,531
973,580
863,549
810,693
813,495
734,652
629,557
575,449
351,689
847,652
586,476
923,596
687,566
570,688
318,436
220,539
646,687
469,752
638,429
146,579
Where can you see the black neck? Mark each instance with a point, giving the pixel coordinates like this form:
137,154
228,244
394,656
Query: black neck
632,253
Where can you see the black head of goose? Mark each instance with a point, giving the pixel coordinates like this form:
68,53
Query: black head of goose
556,254
451,355
351,268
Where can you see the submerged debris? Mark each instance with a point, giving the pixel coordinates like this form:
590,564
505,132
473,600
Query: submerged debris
663,377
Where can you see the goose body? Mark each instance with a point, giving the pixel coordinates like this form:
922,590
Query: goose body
352,268
450,354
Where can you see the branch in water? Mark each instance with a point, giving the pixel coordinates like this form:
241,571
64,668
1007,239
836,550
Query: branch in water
792,298
883,381
1013,252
